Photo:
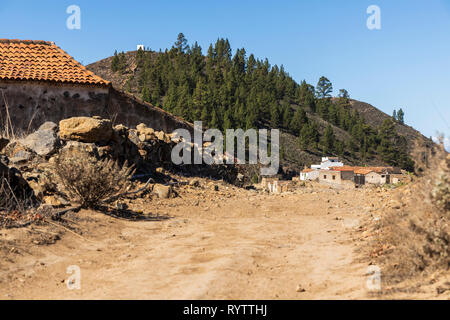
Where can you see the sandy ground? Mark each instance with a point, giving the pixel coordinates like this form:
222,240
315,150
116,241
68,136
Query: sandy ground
230,244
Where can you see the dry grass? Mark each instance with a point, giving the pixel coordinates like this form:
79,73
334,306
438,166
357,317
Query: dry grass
91,182
418,235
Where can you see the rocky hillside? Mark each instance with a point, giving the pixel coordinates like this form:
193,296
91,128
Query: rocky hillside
355,134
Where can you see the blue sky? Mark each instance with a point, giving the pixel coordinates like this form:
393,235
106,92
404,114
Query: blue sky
405,64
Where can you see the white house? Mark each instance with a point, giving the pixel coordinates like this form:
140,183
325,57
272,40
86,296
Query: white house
328,162
140,47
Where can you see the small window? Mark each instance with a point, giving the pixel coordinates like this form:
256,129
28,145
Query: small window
325,176
334,177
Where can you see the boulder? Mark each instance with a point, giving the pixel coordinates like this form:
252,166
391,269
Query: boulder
85,129
17,153
20,157
79,149
15,180
162,191
43,142
48,126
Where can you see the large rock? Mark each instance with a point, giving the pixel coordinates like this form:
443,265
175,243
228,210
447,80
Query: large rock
85,129
17,153
43,142
48,126
163,192
15,180
77,149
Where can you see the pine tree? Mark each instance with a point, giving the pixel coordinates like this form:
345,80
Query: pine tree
115,62
181,43
274,116
298,120
328,140
146,94
401,116
287,115
324,88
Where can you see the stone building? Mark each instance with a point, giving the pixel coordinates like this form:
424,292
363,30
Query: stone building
40,82
340,176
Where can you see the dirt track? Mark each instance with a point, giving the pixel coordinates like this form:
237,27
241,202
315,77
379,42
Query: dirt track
251,246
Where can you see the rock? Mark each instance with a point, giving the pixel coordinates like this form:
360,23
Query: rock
17,183
141,127
160,170
84,129
43,142
52,201
48,126
142,137
3,143
194,183
162,191
160,135
300,288
78,149
21,156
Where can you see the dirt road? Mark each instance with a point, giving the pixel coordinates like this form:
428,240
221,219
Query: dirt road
248,246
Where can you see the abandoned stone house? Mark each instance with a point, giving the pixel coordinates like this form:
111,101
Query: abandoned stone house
337,176
40,82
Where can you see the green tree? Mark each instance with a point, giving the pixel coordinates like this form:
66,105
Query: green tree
324,88
181,43
401,116
328,140
344,94
274,116
298,120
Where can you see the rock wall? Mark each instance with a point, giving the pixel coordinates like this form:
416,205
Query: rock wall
30,104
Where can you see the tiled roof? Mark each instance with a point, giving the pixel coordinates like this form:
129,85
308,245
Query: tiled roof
363,171
343,168
360,169
42,61
308,170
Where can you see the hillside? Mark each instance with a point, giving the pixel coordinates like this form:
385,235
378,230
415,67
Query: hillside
240,92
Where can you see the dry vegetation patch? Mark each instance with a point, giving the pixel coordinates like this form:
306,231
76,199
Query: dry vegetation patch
412,238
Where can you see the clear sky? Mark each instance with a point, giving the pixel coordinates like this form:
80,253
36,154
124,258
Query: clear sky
405,64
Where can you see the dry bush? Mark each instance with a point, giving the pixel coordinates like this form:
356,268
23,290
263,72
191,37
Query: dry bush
16,209
419,235
89,181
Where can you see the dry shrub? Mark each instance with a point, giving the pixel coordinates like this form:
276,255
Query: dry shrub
91,182
16,209
419,235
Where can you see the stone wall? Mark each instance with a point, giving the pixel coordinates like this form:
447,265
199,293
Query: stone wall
130,111
31,104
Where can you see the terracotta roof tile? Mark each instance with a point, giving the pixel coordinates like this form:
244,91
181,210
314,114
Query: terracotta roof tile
42,61
363,171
